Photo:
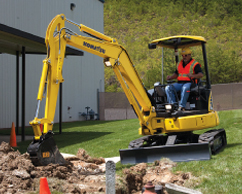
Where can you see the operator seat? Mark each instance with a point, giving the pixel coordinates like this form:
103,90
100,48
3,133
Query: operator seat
160,94
196,88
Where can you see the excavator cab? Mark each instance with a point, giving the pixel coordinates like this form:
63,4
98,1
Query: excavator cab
200,98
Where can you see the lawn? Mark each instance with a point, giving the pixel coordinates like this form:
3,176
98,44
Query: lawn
98,138
221,174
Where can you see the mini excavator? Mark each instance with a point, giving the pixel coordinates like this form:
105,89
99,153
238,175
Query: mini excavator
166,131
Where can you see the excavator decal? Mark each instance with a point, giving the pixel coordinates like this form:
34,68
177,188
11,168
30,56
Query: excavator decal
96,48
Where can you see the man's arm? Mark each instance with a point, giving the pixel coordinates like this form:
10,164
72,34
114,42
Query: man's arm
173,76
198,72
195,76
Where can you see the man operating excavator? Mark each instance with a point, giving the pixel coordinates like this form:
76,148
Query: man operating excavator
187,72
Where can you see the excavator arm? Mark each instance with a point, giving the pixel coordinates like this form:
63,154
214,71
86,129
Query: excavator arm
115,56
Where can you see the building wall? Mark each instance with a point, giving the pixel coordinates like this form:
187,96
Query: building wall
115,106
83,74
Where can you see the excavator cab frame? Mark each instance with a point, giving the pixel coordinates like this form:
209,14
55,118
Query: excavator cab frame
199,93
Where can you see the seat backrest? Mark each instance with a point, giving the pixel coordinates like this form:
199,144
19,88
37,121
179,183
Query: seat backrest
159,89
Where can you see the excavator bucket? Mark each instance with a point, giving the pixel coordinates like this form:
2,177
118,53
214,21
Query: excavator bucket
176,153
45,151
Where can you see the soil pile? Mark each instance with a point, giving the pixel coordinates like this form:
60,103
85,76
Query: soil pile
159,173
81,174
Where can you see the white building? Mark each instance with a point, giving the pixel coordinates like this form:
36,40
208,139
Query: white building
83,75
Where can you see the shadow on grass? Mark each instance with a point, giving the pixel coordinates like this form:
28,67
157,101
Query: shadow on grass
84,123
69,138
29,131
65,139
231,145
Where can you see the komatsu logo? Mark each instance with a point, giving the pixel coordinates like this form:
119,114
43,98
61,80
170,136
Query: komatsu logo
96,48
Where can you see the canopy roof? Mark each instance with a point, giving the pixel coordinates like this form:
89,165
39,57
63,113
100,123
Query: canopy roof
178,41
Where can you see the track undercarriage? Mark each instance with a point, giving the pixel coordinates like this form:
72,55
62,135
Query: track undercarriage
184,146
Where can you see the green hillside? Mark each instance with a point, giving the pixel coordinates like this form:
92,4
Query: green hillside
134,23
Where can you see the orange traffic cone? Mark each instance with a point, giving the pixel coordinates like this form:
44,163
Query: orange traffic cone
13,142
43,186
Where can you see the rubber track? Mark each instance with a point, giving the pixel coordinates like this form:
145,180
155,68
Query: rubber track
147,141
210,136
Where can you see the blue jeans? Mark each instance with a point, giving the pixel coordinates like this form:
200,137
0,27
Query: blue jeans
185,91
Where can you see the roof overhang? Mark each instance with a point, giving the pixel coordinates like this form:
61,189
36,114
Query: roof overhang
12,40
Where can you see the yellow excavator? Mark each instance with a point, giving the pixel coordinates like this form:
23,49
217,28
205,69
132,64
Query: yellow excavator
166,131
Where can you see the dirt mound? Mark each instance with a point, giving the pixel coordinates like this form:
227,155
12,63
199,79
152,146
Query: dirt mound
82,174
159,173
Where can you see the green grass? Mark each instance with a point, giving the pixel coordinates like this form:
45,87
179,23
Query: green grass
98,138
221,174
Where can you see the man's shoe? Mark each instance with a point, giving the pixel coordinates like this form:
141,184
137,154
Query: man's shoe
179,112
181,109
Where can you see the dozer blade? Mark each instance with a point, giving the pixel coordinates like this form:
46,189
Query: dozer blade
176,153
45,151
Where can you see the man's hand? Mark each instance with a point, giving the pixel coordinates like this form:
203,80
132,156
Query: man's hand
190,75
195,76
174,76
168,77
